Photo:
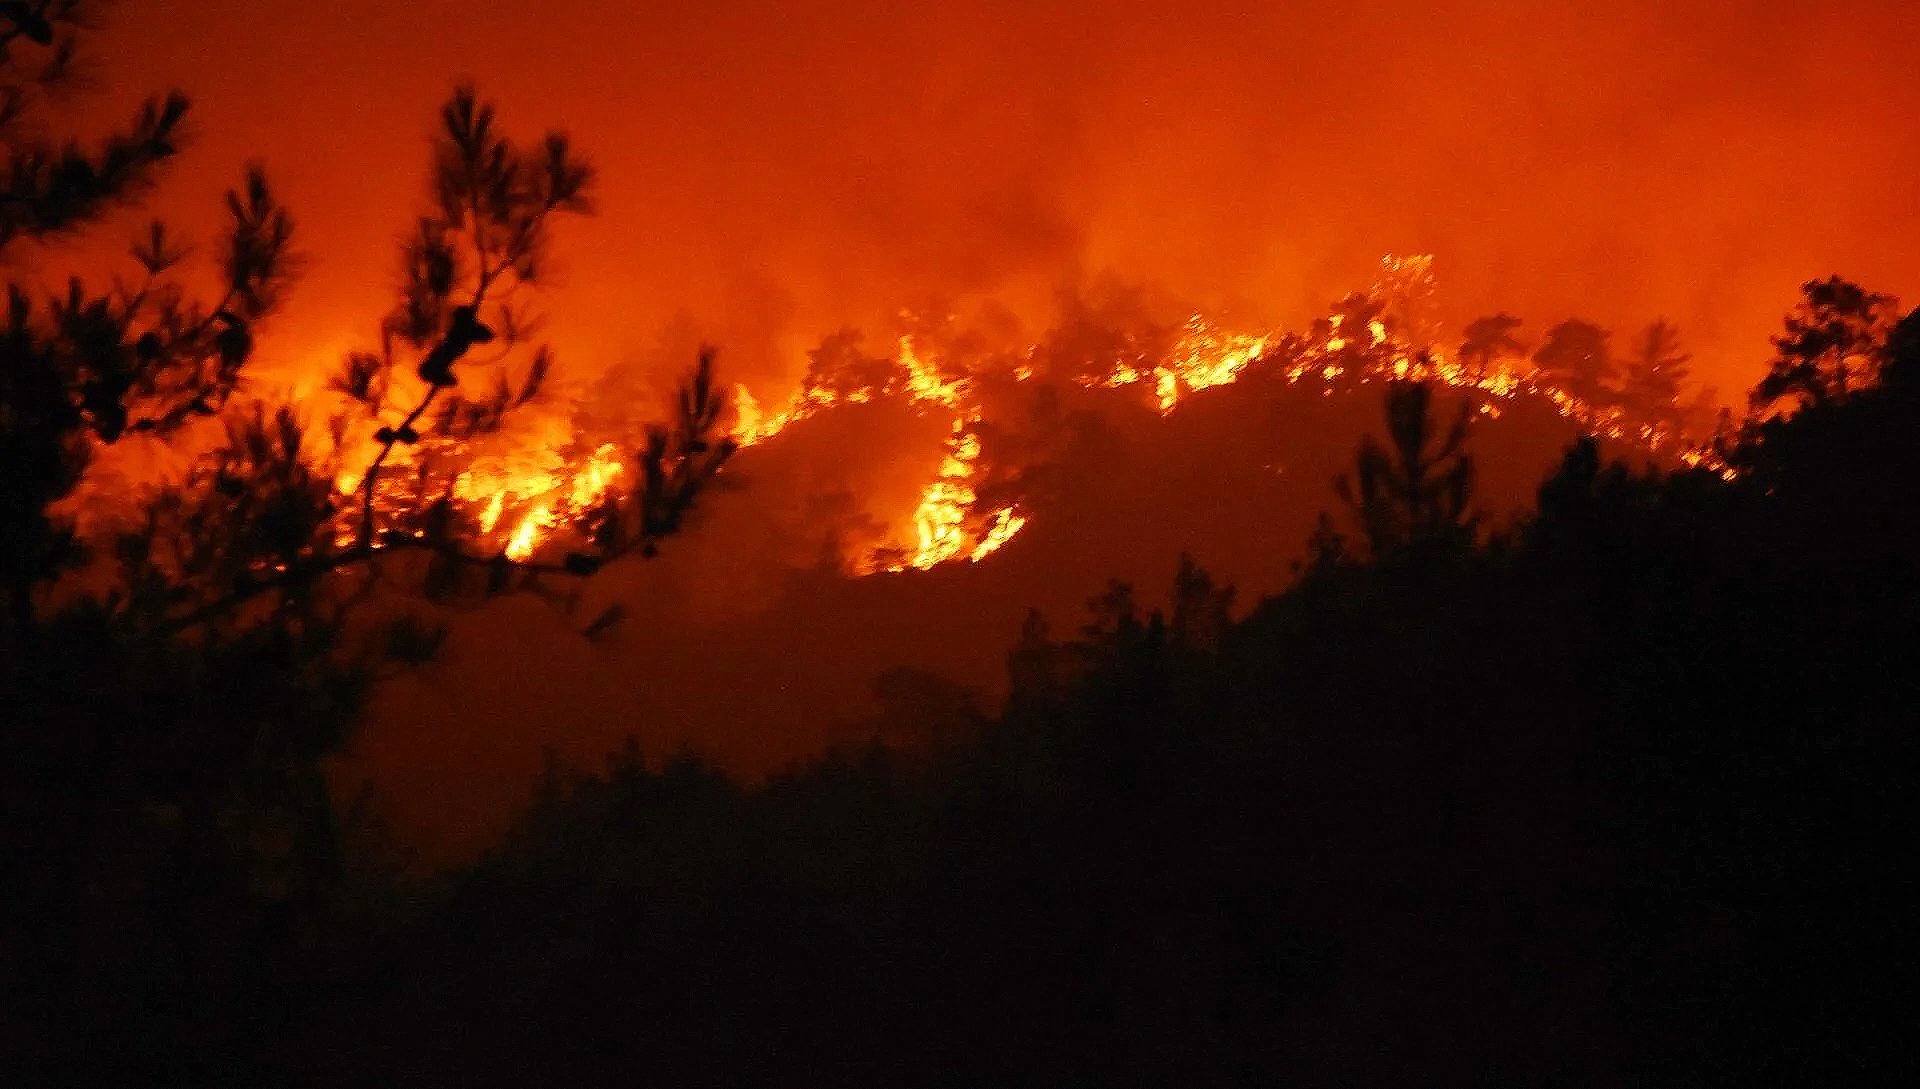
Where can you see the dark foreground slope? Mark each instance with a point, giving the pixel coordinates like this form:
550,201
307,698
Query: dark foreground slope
739,646
1623,800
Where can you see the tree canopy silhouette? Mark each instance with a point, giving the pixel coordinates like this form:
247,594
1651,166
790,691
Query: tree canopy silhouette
1575,356
54,188
1488,339
1415,496
79,366
1832,346
1651,378
1622,796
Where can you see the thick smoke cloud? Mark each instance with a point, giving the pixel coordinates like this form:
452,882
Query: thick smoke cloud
777,171
772,173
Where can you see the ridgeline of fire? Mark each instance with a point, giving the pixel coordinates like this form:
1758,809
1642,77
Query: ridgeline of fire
1620,795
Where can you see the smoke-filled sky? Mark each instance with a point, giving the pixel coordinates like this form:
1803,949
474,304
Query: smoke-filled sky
777,170
770,173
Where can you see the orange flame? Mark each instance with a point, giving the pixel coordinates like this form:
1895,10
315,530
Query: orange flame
548,494
940,521
528,535
553,493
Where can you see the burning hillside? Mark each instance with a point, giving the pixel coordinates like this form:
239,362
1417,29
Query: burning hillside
533,493
1042,593
987,476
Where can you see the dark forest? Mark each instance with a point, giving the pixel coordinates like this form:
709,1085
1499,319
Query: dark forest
1535,716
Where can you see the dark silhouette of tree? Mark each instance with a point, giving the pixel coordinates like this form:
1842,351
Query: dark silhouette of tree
147,357
167,820
838,367
463,268
1107,327
680,460
53,188
1702,414
1623,797
488,234
1831,348
1488,339
1843,447
1361,333
1327,552
1036,671
1113,620
1625,793
1576,358
1652,376
1200,615
1901,374
1415,496
922,713
170,854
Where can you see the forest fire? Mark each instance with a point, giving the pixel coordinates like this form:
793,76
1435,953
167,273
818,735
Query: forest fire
550,497
899,544
522,501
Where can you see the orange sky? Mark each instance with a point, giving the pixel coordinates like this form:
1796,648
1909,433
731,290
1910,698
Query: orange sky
776,170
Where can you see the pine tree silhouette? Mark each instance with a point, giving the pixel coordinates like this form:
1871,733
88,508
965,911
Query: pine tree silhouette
1652,377
1832,346
1415,496
1575,357
1488,339
53,188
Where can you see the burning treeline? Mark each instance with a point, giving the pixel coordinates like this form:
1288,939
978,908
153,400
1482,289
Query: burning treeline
533,492
450,438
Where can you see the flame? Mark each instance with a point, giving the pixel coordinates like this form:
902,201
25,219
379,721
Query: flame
940,522
491,516
528,535
537,491
1203,358
1006,523
752,426
552,492
746,415
946,525
924,382
591,482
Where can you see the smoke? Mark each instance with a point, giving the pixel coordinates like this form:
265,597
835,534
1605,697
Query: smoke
770,174
779,172
751,641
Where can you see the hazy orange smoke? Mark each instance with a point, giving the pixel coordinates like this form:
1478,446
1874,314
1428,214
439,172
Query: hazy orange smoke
771,173
775,172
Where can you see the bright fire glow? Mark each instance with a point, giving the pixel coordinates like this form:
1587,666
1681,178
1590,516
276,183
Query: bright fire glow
528,535
526,498
542,489
1006,523
940,522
